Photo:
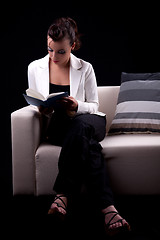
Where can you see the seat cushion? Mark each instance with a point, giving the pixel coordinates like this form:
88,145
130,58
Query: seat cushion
133,163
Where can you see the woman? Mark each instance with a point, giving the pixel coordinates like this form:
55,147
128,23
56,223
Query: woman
77,126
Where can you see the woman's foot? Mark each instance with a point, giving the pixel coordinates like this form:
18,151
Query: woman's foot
114,223
59,206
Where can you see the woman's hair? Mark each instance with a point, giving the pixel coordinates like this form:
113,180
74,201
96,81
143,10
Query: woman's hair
65,28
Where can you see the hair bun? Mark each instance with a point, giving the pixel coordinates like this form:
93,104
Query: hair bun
65,27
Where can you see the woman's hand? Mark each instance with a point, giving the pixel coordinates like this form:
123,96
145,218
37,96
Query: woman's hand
44,110
70,104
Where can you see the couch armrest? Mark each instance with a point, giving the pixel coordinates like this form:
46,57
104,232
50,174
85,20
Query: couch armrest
26,134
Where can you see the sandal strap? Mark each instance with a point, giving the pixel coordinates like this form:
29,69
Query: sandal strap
59,205
111,212
115,214
60,198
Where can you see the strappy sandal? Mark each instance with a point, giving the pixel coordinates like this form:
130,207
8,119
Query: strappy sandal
54,211
123,228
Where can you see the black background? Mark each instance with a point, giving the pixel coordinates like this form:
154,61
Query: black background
115,37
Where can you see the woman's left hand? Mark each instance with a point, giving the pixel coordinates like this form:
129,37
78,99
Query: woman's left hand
70,104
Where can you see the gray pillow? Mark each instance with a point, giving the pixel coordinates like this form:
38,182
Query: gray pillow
138,106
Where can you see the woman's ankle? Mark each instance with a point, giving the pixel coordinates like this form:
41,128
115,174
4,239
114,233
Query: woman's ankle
109,209
60,197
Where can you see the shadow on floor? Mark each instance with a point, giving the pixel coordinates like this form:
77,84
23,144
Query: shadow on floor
27,216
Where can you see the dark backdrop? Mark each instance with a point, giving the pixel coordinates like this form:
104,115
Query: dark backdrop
115,38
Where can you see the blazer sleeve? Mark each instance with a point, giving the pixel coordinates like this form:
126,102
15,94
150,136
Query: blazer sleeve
31,79
31,76
91,103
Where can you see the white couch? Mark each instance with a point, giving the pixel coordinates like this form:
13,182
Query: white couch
133,160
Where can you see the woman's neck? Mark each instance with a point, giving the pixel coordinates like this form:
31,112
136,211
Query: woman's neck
55,66
59,74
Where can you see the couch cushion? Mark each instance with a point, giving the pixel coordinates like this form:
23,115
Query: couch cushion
133,163
138,106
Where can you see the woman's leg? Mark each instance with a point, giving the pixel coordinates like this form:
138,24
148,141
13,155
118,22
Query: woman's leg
55,134
73,157
81,159
96,174
97,180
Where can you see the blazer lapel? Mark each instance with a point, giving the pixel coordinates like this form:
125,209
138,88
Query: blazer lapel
75,75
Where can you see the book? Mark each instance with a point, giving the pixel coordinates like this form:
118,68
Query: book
35,98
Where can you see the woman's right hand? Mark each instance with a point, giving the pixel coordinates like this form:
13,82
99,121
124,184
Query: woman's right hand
45,110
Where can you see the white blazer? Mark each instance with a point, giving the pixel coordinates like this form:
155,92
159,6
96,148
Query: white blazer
83,86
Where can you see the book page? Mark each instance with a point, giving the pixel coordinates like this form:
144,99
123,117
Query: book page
32,93
54,94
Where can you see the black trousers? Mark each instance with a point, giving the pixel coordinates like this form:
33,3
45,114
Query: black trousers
81,160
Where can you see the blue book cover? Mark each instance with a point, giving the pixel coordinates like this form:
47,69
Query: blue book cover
51,101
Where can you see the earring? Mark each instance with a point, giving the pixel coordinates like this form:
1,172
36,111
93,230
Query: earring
73,46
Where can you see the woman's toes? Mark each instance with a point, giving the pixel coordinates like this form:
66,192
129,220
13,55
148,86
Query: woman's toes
119,224
61,210
113,226
126,224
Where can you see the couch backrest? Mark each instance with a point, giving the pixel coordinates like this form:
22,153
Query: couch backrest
107,101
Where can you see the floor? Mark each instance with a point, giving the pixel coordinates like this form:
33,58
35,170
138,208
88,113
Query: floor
26,216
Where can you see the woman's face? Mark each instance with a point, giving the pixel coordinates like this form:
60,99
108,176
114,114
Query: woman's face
59,52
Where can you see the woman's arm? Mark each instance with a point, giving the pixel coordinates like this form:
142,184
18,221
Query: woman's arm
91,103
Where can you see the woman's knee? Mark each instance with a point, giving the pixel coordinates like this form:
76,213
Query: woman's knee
82,128
96,124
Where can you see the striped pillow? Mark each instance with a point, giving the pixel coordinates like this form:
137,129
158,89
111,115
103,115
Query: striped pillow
138,106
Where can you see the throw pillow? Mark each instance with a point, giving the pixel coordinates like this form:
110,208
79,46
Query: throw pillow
138,106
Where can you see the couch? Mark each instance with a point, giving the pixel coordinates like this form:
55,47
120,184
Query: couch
133,160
